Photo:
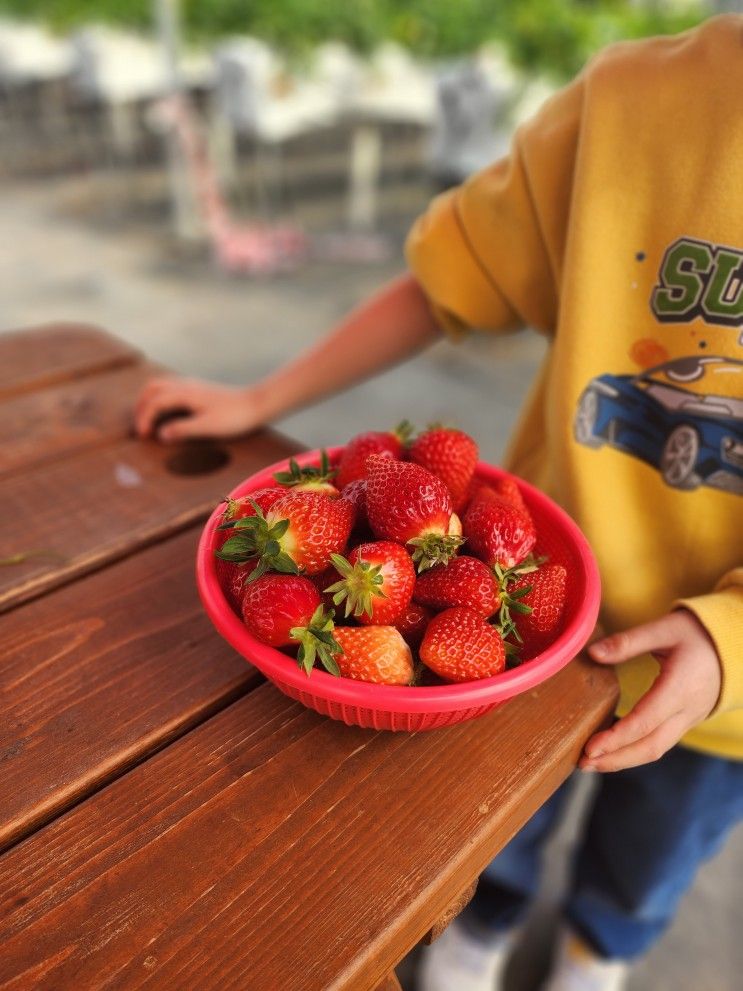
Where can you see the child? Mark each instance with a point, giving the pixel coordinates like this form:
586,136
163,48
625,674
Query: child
614,228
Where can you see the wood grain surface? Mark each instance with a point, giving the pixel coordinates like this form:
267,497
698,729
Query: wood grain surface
98,505
38,357
100,674
61,419
272,848
390,983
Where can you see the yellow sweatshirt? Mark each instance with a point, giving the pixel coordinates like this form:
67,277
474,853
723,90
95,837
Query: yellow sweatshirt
615,227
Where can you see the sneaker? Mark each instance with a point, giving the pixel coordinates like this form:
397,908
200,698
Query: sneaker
458,961
577,968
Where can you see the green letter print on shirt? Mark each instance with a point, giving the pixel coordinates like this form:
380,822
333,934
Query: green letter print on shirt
698,279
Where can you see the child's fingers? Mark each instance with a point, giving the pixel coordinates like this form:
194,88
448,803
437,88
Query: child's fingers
163,395
185,427
642,751
664,701
144,405
660,634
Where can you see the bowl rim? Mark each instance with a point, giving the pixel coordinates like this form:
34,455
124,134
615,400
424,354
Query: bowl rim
414,699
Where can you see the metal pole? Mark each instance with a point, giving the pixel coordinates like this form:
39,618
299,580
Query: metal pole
184,217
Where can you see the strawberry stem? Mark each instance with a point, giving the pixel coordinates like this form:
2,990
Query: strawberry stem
509,601
434,548
318,475
404,432
256,539
359,585
316,641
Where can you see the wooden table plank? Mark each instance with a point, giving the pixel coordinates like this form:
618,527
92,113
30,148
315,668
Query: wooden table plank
61,419
101,673
102,504
37,357
390,983
272,848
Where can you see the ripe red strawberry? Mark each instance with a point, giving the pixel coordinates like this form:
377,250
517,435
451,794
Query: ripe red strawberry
451,455
546,600
285,609
376,582
321,581
232,579
298,533
460,645
355,493
374,653
413,623
238,509
498,533
353,460
505,489
274,605
509,492
464,581
318,527
231,575
409,505
311,478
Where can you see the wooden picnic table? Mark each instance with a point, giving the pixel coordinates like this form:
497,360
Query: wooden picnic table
168,818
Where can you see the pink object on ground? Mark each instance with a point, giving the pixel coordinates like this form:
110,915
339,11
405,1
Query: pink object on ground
412,709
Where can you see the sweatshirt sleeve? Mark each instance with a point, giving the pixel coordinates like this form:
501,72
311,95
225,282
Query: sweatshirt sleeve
721,614
489,253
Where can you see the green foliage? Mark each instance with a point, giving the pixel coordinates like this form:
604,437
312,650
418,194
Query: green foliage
553,36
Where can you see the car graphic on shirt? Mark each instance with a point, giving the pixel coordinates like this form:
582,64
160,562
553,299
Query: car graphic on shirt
684,417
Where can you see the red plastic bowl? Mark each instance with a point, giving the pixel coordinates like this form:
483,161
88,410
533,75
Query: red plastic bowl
410,709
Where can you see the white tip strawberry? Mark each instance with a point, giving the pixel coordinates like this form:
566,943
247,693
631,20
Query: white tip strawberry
374,653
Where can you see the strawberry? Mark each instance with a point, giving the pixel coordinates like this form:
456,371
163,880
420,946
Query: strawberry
413,622
353,460
504,489
464,581
545,599
507,489
355,493
460,645
374,653
284,609
376,582
498,533
451,455
321,581
243,506
298,533
311,478
230,576
409,505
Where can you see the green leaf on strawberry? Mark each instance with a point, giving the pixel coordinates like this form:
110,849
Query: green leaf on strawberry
434,548
310,475
316,641
360,583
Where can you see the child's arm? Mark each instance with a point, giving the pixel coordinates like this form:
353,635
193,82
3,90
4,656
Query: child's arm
684,693
388,328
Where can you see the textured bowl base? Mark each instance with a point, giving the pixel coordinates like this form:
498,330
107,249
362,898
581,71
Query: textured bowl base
399,722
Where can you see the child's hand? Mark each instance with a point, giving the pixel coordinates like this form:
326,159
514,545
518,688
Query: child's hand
215,410
683,694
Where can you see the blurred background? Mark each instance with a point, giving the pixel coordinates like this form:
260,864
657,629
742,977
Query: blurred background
218,181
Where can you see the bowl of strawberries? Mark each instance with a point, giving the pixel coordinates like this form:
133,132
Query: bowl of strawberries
398,585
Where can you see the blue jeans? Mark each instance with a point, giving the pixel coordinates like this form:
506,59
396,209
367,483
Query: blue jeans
649,830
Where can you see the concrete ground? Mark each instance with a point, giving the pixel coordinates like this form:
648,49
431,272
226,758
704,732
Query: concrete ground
66,259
